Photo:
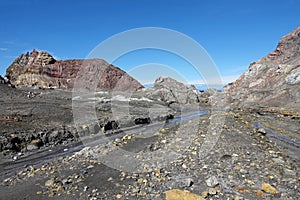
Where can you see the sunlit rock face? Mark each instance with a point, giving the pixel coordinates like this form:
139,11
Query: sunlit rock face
272,81
40,69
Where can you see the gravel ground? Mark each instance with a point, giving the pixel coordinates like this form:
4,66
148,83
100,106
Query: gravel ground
239,162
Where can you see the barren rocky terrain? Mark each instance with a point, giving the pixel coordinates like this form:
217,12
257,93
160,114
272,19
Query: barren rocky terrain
167,142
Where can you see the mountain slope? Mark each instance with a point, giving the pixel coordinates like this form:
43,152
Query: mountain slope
40,69
274,80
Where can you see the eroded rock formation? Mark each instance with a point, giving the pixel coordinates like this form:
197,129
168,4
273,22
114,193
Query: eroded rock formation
272,81
171,91
40,69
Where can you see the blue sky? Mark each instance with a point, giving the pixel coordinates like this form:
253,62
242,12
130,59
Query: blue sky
233,32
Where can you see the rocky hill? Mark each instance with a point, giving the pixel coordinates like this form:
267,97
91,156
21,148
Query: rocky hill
40,69
171,91
274,80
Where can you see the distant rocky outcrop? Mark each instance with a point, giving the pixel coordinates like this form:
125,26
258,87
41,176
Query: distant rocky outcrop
171,91
272,81
40,69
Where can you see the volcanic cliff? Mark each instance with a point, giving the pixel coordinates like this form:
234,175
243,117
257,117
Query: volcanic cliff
40,69
274,80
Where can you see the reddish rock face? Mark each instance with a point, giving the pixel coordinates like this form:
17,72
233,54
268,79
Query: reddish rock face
273,81
40,69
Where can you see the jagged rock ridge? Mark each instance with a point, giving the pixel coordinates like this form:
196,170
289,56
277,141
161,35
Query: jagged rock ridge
171,91
40,69
272,81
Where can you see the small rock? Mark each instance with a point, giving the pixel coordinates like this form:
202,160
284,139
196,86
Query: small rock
90,166
237,197
278,161
50,183
268,188
212,191
110,179
289,172
94,191
204,194
60,188
66,181
182,195
262,131
31,147
188,182
260,193
212,181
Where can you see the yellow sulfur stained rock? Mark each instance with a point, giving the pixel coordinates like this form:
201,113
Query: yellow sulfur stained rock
268,188
182,195
259,193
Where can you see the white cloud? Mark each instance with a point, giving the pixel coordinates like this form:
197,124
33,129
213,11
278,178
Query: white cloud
3,49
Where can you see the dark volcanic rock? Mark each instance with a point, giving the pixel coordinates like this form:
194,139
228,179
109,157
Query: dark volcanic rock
273,81
40,69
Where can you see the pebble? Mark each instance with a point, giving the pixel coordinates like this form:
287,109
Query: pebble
262,131
212,181
228,171
268,188
50,182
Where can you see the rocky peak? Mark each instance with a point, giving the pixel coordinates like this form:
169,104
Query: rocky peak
40,69
35,58
287,50
171,91
168,82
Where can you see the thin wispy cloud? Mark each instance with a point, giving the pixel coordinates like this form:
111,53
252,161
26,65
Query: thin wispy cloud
3,49
10,42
